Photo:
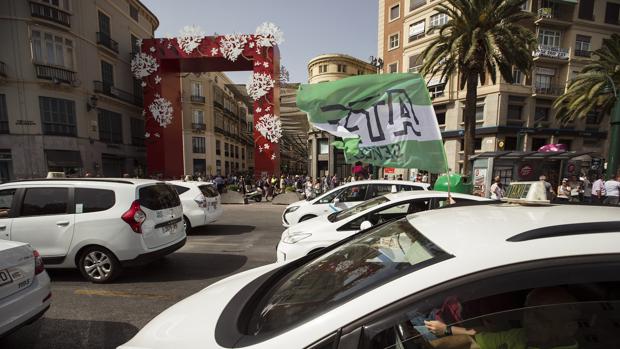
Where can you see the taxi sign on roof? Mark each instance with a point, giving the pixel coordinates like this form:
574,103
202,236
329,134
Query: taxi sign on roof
527,193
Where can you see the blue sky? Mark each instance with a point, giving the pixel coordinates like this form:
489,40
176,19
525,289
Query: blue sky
310,28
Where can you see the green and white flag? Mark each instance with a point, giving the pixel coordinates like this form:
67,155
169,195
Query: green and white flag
386,120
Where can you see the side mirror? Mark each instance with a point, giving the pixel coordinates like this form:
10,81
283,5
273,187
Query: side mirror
336,201
365,225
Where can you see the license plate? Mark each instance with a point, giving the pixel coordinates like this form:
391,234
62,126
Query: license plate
5,277
170,229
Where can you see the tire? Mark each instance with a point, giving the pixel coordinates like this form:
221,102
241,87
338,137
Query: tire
306,217
258,198
187,224
108,267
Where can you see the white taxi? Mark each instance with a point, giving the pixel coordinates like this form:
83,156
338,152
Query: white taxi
488,276
201,202
344,196
314,234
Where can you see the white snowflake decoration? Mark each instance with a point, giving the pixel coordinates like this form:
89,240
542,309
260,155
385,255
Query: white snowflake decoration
266,64
273,156
259,85
251,44
266,146
161,109
143,84
152,49
147,135
157,79
258,109
214,51
270,127
260,148
231,46
139,43
190,38
268,34
157,135
143,65
268,108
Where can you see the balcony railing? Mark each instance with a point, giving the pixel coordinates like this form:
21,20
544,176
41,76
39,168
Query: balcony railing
109,90
2,69
583,53
550,13
551,52
197,99
54,73
105,40
551,90
50,13
198,126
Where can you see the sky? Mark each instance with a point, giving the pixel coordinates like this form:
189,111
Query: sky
311,27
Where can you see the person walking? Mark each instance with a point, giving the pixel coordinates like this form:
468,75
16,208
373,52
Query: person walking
612,188
497,190
308,190
598,190
586,189
548,188
563,191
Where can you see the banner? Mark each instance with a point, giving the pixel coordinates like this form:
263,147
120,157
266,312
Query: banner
386,120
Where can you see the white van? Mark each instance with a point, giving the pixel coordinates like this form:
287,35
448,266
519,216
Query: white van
97,225
201,202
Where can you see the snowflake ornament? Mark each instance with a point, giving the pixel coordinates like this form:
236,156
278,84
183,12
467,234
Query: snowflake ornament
231,46
147,135
259,85
214,51
268,108
161,109
143,84
143,65
152,49
266,146
268,34
190,38
266,64
157,79
251,44
157,135
260,148
270,127
258,109
139,43
273,156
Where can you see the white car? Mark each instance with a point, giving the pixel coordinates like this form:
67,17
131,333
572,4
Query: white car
500,275
201,202
95,225
314,234
347,195
25,290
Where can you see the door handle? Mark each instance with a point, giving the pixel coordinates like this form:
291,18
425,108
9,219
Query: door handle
62,223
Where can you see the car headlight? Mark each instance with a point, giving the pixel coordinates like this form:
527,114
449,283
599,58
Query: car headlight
291,209
294,238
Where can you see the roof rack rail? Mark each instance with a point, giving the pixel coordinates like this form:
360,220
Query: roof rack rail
567,230
72,179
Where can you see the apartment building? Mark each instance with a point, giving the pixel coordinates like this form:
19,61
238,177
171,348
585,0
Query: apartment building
516,116
68,101
217,126
324,159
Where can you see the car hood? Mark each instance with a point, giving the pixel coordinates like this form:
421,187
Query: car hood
192,321
312,224
300,203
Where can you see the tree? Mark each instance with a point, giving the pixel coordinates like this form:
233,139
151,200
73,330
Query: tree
480,38
594,90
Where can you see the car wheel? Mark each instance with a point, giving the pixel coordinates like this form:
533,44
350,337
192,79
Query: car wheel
186,224
258,198
99,265
305,218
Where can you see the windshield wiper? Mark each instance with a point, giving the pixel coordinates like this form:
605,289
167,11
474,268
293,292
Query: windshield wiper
332,217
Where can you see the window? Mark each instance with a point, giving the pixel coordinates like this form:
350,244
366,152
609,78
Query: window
415,62
134,44
198,145
436,91
438,20
440,113
137,131
6,202
45,201
394,12
323,146
4,115
133,12
417,30
538,142
107,74
549,38
386,214
242,153
517,76
93,200
218,166
542,82
58,116
510,143
582,46
393,68
541,114
478,143
594,118
52,49
110,126
158,197
179,189
323,68
612,13
225,149
353,193
586,9
217,148
196,88
414,4
515,112
567,142
480,113
394,41
342,68
236,152
198,117
104,24
61,4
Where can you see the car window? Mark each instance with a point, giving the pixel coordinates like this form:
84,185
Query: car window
179,189
365,262
328,198
45,201
6,202
353,193
402,187
93,200
158,197
352,211
208,191
443,202
380,189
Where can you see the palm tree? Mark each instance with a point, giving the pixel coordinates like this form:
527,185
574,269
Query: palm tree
480,38
594,90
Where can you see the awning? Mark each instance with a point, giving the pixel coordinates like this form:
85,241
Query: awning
63,158
530,155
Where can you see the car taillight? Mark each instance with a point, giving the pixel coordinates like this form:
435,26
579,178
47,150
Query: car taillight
39,267
201,200
134,217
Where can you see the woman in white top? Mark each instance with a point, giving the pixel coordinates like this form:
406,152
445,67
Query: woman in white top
563,191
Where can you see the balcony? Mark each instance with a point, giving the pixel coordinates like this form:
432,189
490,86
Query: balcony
555,53
198,126
548,90
2,69
109,90
558,17
197,99
54,73
105,40
50,13
583,53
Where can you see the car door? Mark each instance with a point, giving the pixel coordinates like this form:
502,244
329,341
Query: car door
7,212
46,220
352,195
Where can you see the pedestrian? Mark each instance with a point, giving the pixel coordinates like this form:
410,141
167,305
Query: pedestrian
308,189
357,170
497,189
400,177
317,187
575,188
563,191
598,190
335,181
612,188
586,189
548,188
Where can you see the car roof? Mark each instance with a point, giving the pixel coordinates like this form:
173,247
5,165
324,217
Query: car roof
384,181
134,181
403,195
189,183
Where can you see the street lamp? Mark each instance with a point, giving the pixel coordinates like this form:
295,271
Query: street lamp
376,62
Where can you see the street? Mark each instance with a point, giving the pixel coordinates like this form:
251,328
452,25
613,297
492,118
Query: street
86,315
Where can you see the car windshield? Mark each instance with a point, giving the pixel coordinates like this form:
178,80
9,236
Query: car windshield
359,265
351,211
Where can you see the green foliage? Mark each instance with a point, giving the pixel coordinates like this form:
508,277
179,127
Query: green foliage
592,90
232,187
289,189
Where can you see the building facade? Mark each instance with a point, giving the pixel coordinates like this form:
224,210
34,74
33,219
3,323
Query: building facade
517,116
68,101
324,159
217,126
